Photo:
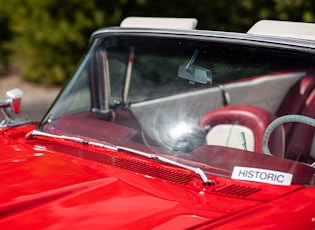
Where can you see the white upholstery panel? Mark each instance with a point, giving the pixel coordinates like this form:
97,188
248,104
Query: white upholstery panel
228,135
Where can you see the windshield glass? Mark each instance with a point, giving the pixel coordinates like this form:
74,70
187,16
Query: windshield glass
199,100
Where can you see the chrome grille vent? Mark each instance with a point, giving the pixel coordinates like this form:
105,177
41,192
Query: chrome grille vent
119,162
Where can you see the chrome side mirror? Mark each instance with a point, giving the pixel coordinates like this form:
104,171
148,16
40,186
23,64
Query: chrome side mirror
12,103
15,97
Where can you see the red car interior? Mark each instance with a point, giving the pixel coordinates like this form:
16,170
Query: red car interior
299,100
252,117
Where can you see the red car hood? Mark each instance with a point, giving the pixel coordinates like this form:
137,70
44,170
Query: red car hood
41,188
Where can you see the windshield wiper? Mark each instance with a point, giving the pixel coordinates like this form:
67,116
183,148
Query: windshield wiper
33,133
196,170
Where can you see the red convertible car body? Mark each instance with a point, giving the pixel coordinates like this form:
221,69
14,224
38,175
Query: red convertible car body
170,128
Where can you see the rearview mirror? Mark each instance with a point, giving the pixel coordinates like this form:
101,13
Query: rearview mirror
195,74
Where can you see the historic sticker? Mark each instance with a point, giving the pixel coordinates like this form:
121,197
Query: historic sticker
262,175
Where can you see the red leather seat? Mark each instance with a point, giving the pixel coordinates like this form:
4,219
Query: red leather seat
253,118
299,100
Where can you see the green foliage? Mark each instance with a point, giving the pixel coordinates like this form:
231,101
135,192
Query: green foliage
50,36
5,36
47,38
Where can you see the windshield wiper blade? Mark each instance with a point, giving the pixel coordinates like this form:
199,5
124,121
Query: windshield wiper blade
207,181
33,133
196,170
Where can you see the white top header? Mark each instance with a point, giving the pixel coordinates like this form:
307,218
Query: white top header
301,30
162,23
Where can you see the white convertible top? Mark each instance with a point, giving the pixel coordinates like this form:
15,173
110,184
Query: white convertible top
162,23
301,30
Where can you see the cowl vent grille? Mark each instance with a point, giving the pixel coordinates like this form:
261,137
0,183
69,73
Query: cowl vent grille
237,190
119,162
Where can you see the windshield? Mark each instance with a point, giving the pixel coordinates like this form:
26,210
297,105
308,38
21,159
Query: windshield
203,101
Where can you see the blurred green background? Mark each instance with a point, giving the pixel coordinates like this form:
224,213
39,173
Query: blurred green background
43,40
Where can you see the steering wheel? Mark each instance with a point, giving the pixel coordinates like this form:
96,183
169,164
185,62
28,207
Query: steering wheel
279,121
